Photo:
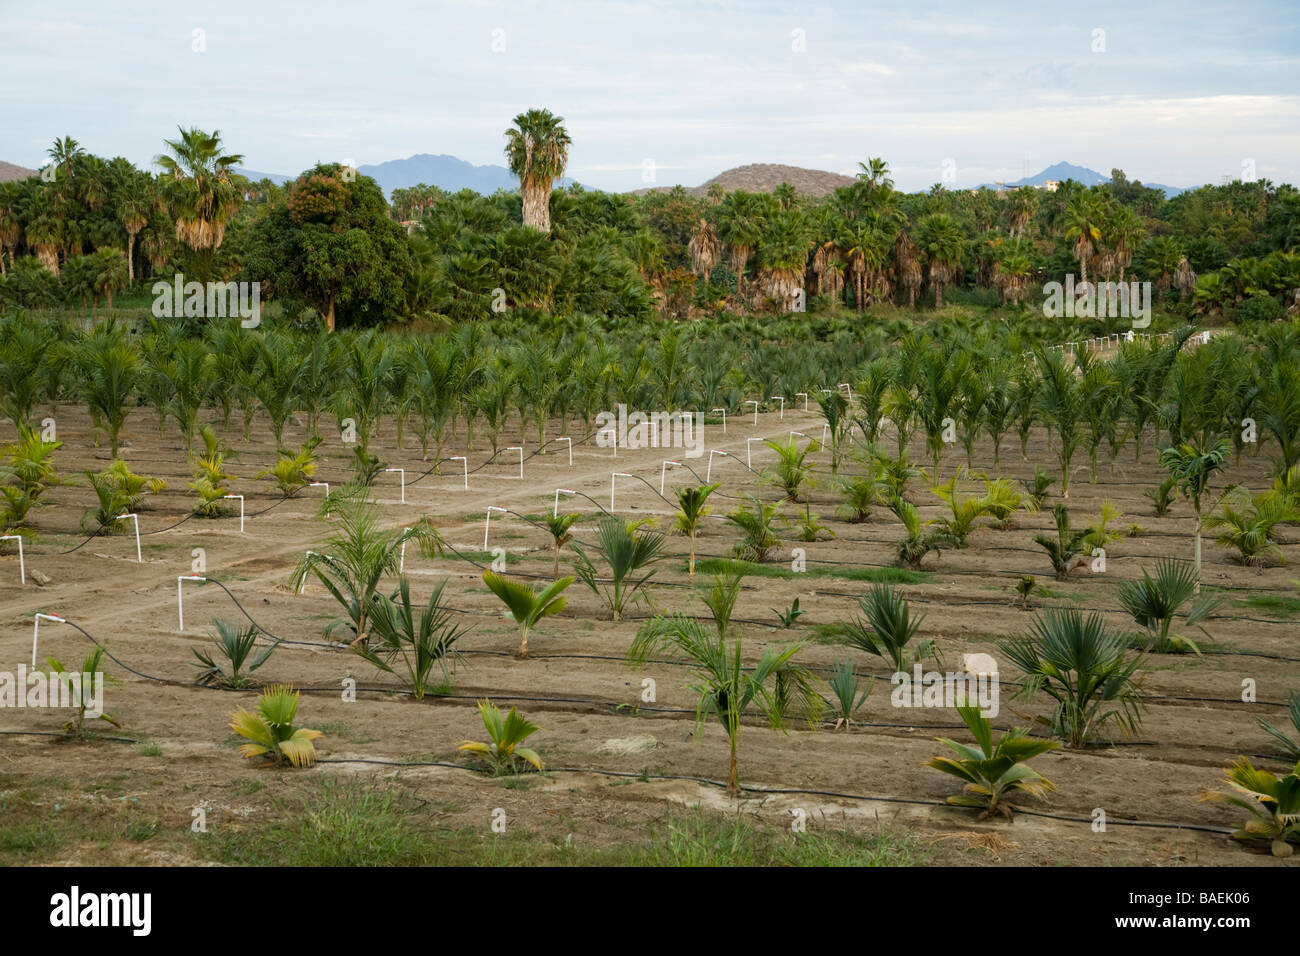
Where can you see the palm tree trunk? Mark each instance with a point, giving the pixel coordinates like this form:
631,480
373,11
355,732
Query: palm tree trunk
1196,554
733,780
523,641
692,557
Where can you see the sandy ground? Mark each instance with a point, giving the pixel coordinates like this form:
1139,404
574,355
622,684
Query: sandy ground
1194,726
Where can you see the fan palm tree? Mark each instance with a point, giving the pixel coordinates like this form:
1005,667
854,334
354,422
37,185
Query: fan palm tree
1083,221
537,151
691,514
726,687
1080,664
1153,603
527,606
940,240
200,190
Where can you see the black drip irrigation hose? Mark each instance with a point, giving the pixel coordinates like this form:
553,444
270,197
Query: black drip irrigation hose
615,707
776,791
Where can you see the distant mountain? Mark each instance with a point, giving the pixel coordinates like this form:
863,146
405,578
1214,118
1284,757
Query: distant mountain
254,175
8,171
1080,174
765,177
445,172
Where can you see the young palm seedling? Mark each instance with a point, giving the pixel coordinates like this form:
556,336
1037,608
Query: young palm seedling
1039,488
791,472
527,606
810,529
1024,588
1273,801
85,690
628,549
691,514
293,472
1154,602
757,521
790,615
1080,664
726,687
1290,745
409,641
503,753
965,510
916,542
1162,496
235,644
849,691
860,493
210,475
1066,547
996,771
270,730
359,554
560,527
1247,525
889,628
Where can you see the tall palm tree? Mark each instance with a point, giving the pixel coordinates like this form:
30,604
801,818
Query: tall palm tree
705,249
537,149
1083,220
66,154
11,224
940,239
201,190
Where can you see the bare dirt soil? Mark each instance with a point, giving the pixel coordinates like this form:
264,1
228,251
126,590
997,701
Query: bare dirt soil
1195,724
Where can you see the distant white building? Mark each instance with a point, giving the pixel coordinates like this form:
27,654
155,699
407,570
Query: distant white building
1051,185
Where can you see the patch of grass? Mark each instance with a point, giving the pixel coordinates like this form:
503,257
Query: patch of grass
709,566
1276,603
351,824
148,749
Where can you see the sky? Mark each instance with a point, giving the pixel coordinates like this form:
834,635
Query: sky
660,91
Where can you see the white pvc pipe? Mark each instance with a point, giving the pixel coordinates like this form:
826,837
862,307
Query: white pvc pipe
662,469
750,401
805,399
555,508
322,484
570,441
749,461
724,419
180,604
781,399
714,451
614,432
521,459
36,631
22,566
488,523
402,472
241,510
465,461
613,475
136,521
